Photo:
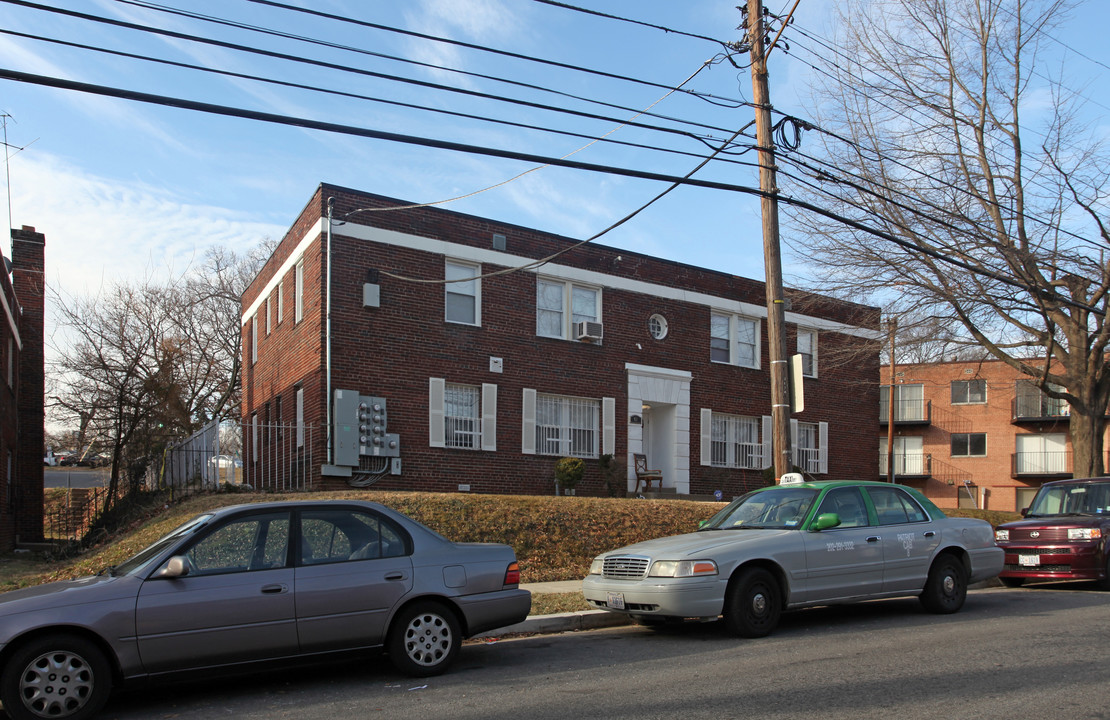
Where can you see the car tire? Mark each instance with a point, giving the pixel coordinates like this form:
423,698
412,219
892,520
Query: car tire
1012,582
1104,583
425,639
753,604
946,587
56,676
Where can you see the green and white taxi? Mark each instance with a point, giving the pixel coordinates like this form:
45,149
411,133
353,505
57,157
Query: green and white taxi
794,545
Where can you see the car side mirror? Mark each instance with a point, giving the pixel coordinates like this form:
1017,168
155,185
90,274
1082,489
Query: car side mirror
825,521
177,566
702,524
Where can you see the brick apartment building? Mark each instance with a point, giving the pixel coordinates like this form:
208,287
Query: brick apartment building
974,434
22,392
482,385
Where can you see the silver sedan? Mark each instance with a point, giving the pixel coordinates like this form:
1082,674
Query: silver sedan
254,584
796,545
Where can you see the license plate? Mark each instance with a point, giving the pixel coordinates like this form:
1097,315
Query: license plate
1029,560
616,601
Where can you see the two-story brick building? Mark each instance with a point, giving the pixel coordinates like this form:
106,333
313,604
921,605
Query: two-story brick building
22,391
974,434
545,348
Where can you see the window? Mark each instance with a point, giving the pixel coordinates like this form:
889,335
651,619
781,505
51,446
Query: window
567,426
461,299
258,542
847,503
329,536
968,392
254,437
254,339
298,292
909,455
463,427
735,442
1042,454
807,348
969,444
657,326
895,506
810,443
909,403
560,304
268,312
280,299
734,339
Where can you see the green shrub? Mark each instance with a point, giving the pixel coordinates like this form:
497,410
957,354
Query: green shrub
569,471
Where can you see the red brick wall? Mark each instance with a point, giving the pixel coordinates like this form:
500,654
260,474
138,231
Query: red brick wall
28,281
393,350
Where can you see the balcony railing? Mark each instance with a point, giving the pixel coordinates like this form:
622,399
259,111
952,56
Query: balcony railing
906,464
910,411
1045,463
1038,407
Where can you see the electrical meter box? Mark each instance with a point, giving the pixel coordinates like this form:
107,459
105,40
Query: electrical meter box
360,426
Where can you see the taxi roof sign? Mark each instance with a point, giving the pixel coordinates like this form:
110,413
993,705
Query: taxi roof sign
791,478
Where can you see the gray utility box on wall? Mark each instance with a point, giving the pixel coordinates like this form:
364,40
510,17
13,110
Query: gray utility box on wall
360,428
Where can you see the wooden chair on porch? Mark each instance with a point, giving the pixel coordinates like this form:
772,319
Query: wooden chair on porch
645,477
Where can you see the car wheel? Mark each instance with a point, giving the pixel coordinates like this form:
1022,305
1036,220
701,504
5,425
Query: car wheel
1012,582
425,639
753,604
1104,583
946,587
57,676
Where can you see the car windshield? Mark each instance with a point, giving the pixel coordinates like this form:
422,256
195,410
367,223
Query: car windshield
139,561
1071,499
781,508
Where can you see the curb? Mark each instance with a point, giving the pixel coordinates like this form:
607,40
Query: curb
562,622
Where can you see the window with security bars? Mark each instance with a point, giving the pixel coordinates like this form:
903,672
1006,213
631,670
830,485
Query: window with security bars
567,426
807,453
462,420
735,442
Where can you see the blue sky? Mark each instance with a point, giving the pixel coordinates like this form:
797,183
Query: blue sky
123,190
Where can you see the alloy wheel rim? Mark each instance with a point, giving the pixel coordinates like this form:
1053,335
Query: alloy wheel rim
56,684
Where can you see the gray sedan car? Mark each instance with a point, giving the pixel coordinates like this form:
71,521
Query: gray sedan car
796,545
254,584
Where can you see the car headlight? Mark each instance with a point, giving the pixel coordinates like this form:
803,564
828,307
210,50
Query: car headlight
682,568
596,566
1001,535
1084,533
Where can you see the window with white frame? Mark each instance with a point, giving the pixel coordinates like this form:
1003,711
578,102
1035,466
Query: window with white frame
969,392
735,442
567,426
269,314
280,299
462,298
300,415
462,420
810,443
298,292
807,348
734,339
560,304
254,338
254,437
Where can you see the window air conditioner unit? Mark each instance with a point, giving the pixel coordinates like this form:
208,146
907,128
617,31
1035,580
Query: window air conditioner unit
588,331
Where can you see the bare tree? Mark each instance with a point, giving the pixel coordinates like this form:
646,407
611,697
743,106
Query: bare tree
988,224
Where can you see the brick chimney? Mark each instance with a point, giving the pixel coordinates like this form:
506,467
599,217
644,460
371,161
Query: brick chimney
29,285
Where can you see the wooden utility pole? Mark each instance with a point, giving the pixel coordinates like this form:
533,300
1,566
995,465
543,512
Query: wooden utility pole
772,256
890,415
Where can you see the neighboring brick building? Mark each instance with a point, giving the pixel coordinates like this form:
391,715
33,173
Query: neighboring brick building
974,434
22,391
487,383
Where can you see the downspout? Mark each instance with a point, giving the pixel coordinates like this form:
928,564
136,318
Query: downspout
327,339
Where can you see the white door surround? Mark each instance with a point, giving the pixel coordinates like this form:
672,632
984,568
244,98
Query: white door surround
667,392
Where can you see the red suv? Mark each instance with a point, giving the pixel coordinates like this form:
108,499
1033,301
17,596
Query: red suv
1063,536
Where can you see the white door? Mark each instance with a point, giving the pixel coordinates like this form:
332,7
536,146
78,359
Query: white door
1042,453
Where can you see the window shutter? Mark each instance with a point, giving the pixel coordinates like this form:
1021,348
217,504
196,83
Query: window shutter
767,446
823,447
528,430
489,416
794,461
608,426
436,412
706,436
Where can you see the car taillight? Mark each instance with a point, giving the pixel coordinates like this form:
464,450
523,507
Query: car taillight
512,574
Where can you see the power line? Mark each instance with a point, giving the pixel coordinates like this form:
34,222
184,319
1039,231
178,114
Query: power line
507,154
598,13
359,71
